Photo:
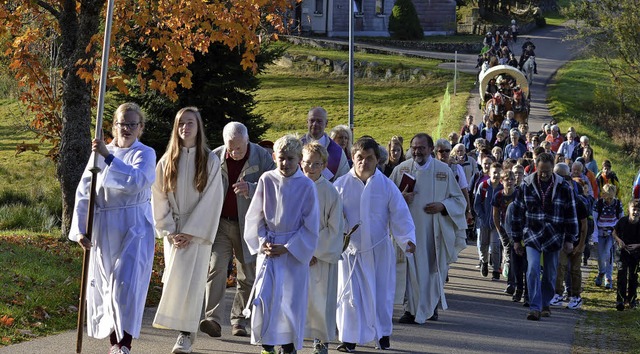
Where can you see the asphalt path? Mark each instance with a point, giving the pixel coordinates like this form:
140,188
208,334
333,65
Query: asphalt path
480,318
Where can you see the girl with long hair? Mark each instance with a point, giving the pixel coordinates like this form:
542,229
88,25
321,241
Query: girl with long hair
187,201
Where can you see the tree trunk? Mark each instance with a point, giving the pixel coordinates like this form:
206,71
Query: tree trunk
76,30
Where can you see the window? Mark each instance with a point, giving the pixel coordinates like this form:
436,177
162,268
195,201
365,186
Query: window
319,7
357,7
379,7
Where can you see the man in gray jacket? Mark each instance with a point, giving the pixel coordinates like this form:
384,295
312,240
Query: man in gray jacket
242,164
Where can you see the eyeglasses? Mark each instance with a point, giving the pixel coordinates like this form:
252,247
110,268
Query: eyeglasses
312,165
444,151
129,126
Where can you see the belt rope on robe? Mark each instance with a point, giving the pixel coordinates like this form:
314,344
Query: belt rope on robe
255,297
352,268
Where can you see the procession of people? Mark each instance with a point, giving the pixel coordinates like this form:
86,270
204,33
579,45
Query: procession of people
325,244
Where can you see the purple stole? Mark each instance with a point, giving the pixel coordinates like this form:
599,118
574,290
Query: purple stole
335,154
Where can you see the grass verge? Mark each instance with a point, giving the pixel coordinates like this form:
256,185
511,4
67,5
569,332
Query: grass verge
41,282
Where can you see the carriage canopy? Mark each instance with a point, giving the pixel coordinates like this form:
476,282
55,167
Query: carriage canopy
498,70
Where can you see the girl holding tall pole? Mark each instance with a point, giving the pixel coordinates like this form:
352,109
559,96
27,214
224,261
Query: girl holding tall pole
122,244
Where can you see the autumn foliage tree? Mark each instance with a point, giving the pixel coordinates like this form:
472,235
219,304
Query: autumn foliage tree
54,48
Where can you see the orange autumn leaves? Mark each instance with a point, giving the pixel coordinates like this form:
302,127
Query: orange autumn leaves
170,31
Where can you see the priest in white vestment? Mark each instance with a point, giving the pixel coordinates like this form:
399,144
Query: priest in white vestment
366,272
187,199
323,270
282,228
437,208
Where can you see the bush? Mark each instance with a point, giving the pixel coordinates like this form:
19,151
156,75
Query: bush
404,23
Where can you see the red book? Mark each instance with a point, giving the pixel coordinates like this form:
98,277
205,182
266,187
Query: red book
407,181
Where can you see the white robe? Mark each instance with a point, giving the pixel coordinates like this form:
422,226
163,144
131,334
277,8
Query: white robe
123,244
439,238
366,272
185,210
284,210
323,276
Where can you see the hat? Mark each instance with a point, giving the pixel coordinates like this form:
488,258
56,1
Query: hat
489,33
513,22
506,32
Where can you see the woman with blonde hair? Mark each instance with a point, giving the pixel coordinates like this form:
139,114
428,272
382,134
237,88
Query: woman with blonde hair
396,154
122,245
342,135
187,201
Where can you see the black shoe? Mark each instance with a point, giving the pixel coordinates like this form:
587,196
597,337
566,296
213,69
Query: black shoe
434,317
407,318
384,343
633,304
535,72
510,289
517,296
347,347
495,276
211,327
620,306
484,269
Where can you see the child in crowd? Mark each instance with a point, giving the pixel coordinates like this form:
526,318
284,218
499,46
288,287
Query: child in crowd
606,213
323,268
607,176
518,262
282,226
627,235
488,239
501,200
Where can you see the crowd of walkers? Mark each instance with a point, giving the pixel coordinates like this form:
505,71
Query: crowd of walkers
324,228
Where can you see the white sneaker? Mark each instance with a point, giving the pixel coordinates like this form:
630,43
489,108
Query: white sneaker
115,349
575,302
183,344
124,350
556,301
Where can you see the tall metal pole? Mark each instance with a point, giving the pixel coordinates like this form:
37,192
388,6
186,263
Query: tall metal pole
351,65
455,74
82,306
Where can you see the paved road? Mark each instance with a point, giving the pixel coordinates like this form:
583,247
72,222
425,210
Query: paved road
480,319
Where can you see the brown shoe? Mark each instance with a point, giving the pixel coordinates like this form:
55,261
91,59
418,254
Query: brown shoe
238,330
534,315
546,312
211,327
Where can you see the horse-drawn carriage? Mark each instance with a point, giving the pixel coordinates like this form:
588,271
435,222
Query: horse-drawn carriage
504,88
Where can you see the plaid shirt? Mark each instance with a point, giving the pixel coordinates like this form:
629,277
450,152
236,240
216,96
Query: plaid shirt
544,230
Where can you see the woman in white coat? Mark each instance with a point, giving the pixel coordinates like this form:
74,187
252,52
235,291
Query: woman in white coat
122,243
187,201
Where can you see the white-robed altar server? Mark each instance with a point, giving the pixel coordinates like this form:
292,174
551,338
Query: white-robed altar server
122,245
323,268
282,228
187,199
366,272
438,208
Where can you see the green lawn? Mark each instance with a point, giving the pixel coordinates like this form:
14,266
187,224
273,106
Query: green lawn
381,109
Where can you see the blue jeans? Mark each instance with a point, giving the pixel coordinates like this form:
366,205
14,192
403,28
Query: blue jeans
489,246
605,256
541,291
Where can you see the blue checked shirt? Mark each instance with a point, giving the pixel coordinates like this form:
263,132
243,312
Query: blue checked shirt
544,231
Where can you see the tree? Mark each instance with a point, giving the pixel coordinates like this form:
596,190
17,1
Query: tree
221,89
54,47
609,30
404,22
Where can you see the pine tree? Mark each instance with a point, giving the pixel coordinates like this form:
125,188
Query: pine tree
404,23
